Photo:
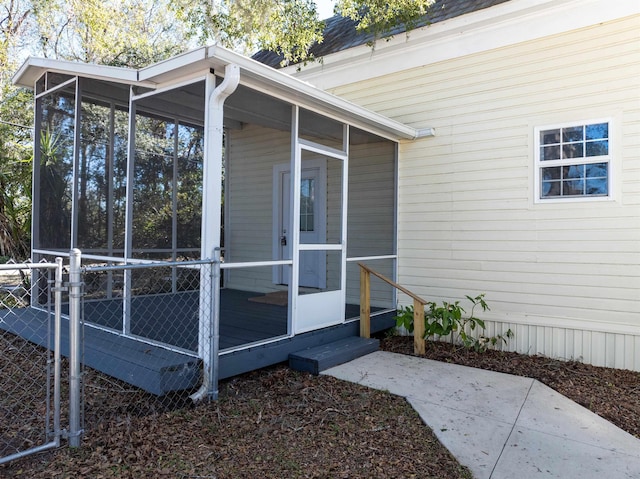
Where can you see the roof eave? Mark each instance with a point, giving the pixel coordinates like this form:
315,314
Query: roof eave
34,67
253,74
276,83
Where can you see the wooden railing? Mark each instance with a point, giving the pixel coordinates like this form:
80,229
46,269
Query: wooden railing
365,307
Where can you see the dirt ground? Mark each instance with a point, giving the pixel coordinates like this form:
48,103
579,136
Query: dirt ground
278,423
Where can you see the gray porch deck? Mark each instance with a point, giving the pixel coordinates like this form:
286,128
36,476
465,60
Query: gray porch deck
173,319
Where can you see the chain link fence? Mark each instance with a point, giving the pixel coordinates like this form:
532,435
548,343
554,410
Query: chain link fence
143,341
151,326
161,306
29,359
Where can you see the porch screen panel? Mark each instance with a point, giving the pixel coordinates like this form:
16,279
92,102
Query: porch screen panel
153,185
320,129
119,180
102,178
93,188
371,217
189,190
382,294
372,196
168,167
54,146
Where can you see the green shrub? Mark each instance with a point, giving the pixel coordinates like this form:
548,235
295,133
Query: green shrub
448,318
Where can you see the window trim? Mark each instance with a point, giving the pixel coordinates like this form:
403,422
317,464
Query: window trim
539,164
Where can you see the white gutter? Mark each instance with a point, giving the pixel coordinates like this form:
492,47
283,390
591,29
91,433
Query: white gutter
209,311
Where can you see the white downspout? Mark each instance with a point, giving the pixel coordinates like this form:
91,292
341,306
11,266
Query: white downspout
209,312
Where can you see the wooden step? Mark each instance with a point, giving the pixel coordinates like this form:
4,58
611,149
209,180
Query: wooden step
317,359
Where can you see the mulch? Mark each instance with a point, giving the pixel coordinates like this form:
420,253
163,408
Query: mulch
276,423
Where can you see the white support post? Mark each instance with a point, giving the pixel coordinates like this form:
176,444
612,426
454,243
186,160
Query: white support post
128,229
211,220
294,229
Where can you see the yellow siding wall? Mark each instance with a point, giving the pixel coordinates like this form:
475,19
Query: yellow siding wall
565,277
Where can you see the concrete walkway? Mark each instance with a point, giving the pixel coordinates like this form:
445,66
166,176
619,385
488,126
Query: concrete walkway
501,426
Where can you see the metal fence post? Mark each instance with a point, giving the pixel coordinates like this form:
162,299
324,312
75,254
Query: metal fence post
215,326
75,293
208,327
57,304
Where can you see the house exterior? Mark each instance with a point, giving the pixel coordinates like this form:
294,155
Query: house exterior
494,150
530,189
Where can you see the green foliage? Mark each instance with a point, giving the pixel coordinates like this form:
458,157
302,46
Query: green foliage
15,171
109,32
448,318
380,17
289,27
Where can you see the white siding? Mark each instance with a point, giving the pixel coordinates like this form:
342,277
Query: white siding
564,276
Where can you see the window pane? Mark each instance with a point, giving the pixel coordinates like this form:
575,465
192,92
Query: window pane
573,188
550,153
573,171
550,188
548,137
597,187
307,202
597,131
597,170
573,133
598,148
573,150
551,173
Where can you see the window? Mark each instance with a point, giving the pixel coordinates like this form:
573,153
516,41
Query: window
307,200
573,161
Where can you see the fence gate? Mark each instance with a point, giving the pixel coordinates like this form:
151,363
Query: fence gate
30,365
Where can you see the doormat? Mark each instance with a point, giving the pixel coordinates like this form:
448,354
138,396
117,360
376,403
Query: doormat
277,298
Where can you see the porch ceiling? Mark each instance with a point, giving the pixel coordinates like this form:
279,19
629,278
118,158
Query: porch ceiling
254,75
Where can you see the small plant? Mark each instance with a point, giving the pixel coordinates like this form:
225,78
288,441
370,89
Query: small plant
448,318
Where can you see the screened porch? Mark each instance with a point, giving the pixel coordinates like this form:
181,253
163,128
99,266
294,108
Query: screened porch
212,156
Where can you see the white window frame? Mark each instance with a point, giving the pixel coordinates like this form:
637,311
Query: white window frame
539,164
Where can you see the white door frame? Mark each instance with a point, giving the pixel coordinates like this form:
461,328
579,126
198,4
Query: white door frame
278,222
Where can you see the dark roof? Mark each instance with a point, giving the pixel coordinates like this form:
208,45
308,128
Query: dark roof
340,33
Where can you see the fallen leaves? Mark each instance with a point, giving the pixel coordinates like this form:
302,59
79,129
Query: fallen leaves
271,423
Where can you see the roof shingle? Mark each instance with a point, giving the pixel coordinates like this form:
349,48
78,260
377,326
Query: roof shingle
340,33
